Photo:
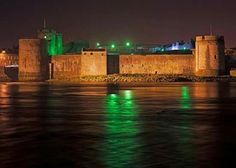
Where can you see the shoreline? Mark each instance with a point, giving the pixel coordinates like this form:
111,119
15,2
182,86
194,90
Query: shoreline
144,78
135,78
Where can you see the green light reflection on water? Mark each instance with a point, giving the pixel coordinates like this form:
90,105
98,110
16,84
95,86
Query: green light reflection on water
119,148
185,145
185,98
128,94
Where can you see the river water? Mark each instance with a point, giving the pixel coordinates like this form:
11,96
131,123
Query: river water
172,125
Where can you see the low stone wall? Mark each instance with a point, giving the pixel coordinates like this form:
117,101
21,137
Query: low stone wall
5,60
89,63
76,66
93,63
157,64
66,66
8,59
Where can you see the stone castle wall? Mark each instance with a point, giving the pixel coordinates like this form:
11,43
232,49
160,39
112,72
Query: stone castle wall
5,60
75,66
33,60
66,66
8,59
210,57
207,59
93,63
88,63
156,64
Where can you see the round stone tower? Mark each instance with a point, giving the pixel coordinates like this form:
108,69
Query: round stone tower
209,56
33,60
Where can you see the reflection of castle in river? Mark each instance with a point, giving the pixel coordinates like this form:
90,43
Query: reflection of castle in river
43,58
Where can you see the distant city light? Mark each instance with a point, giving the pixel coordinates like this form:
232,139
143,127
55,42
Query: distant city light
128,44
98,44
4,52
45,37
113,46
174,48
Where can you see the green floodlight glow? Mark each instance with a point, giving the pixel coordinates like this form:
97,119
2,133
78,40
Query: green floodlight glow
162,50
98,44
128,44
113,46
55,44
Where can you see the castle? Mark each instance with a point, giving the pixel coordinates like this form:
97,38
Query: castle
207,59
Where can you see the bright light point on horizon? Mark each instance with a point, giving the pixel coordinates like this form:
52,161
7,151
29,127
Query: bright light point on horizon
128,44
113,46
98,44
3,51
45,37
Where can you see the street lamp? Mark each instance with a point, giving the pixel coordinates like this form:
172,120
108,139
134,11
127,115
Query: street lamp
113,46
128,44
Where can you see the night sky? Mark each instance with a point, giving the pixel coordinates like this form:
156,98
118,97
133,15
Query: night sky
140,21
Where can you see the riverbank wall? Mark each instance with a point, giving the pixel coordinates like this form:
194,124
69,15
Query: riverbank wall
8,73
143,78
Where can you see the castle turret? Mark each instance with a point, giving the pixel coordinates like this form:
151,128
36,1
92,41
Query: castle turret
54,39
33,60
209,56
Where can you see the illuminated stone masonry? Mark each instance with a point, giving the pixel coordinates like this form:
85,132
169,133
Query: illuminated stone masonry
38,62
207,60
8,66
33,60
